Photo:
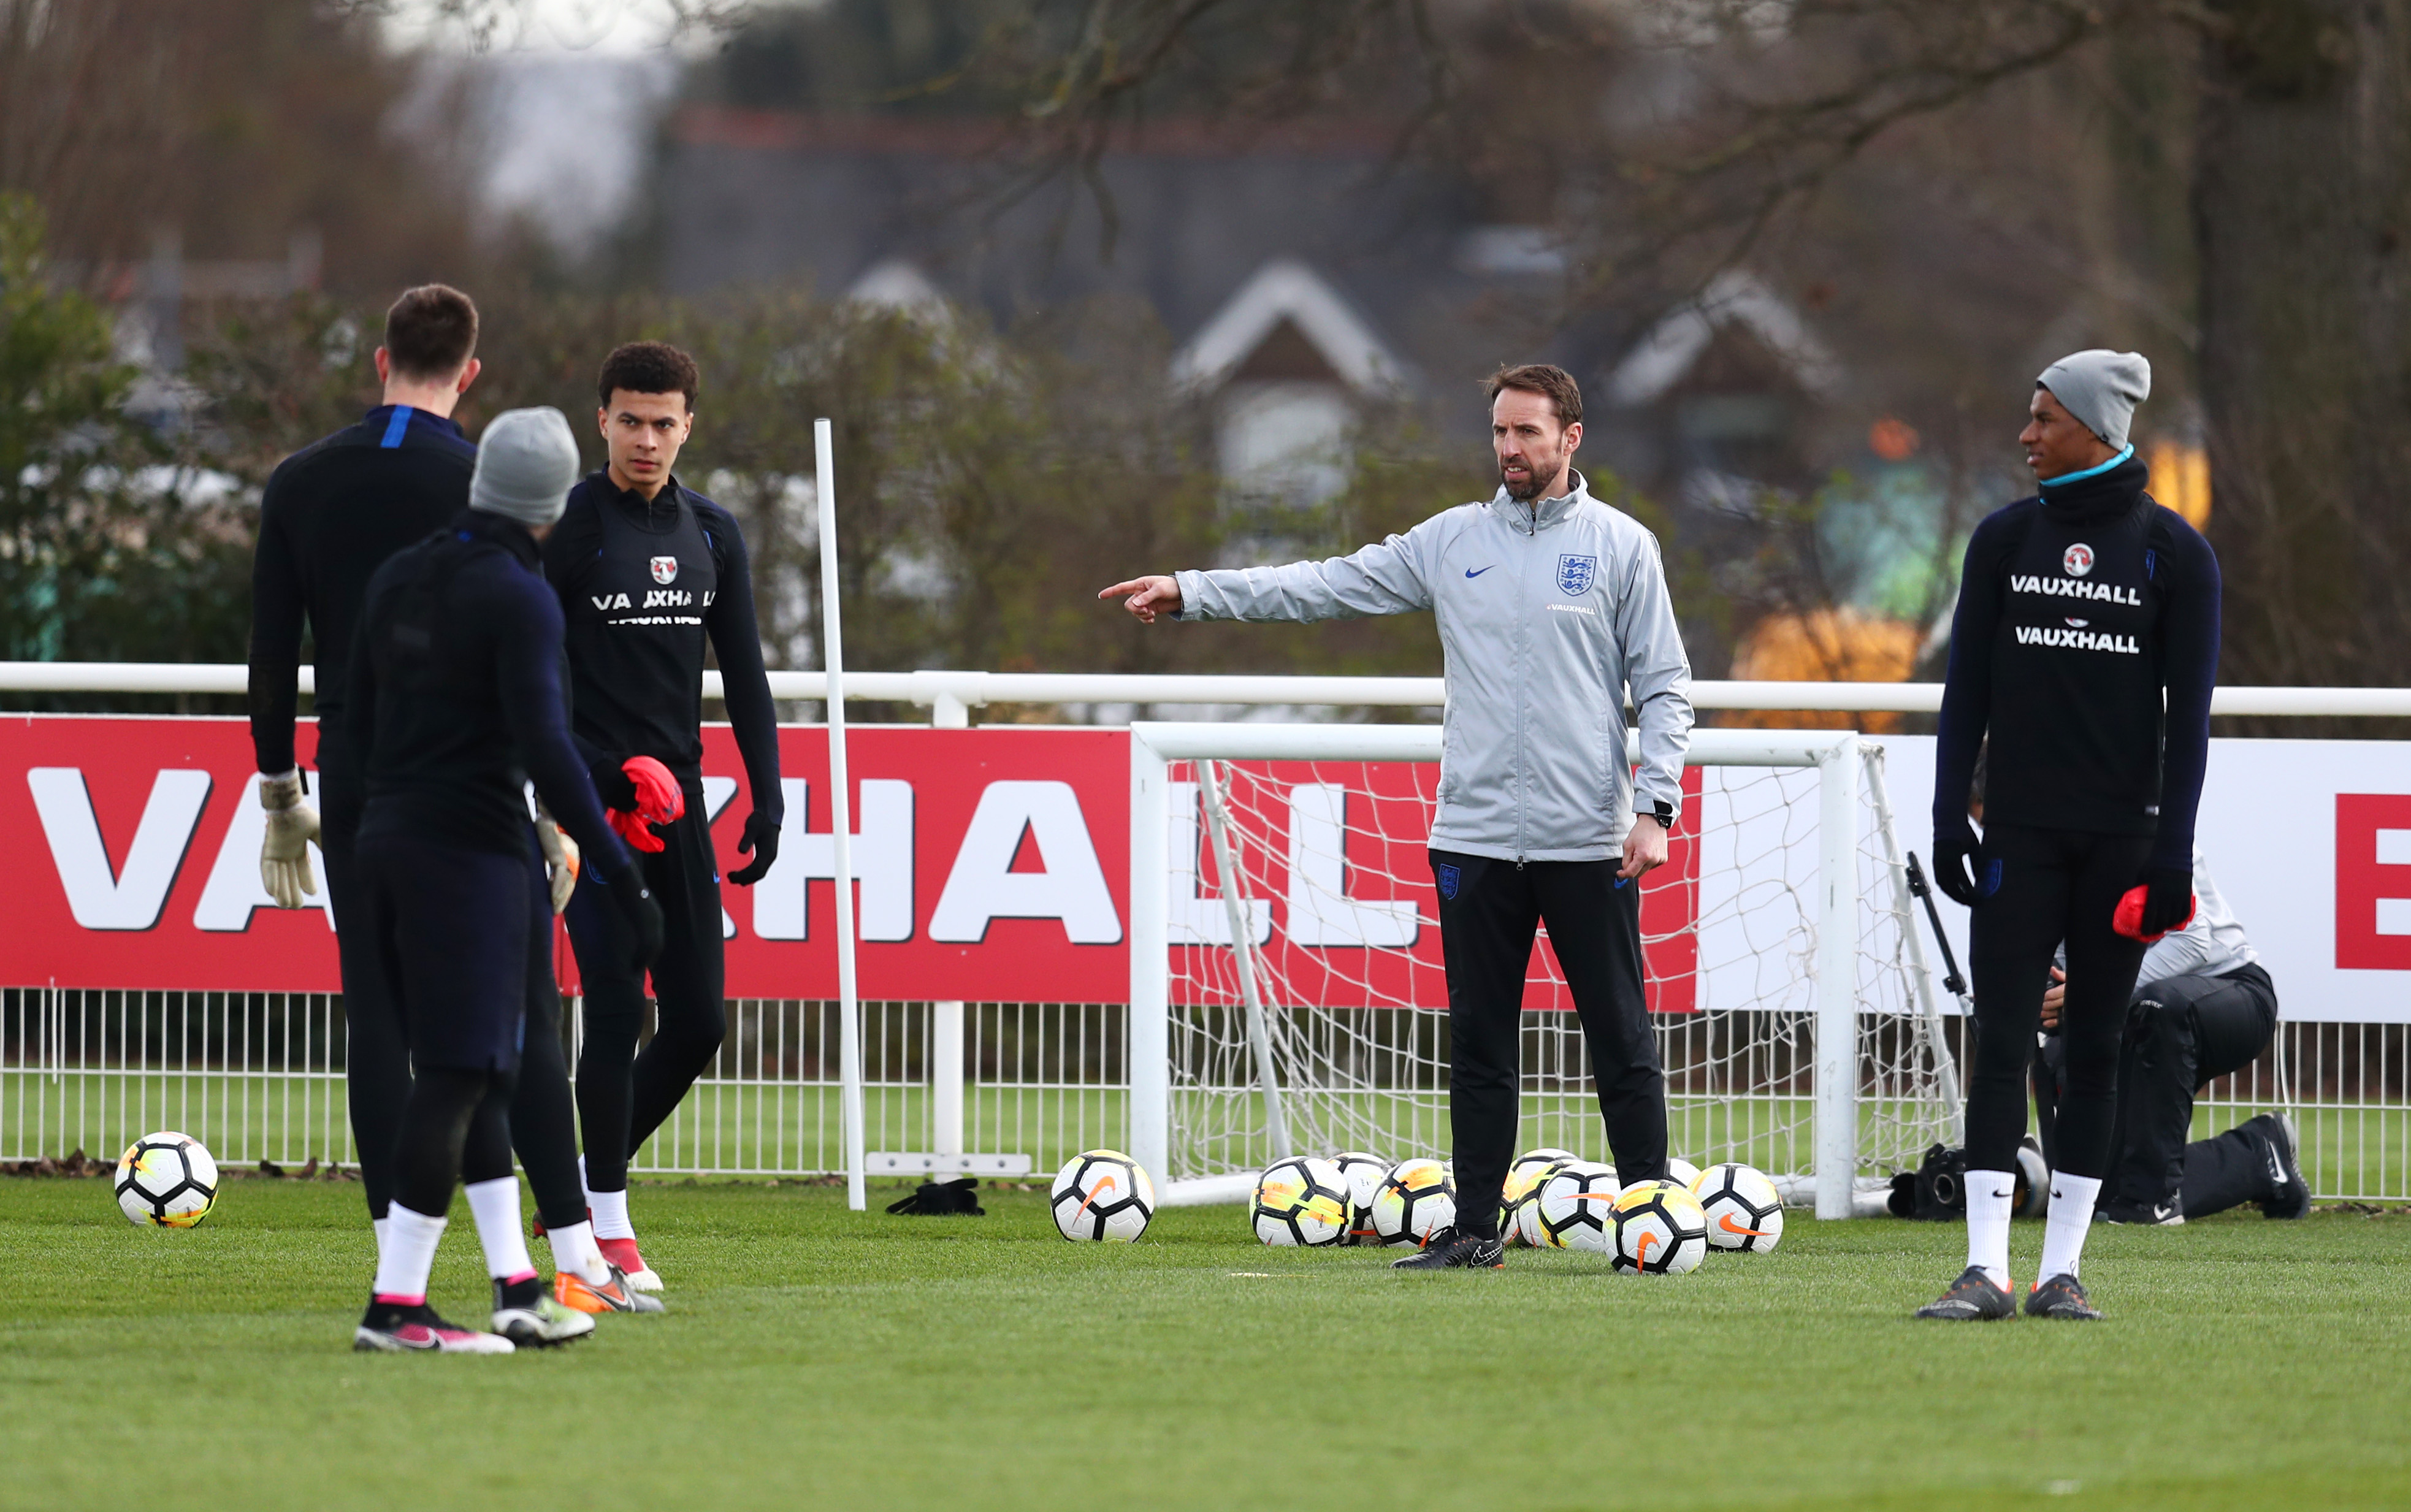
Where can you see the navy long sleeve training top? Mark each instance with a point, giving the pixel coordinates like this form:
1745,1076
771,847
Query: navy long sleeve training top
642,584
457,698
2086,645
330,515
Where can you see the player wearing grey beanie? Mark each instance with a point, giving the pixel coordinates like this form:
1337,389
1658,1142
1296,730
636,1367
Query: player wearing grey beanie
527,463
2101,389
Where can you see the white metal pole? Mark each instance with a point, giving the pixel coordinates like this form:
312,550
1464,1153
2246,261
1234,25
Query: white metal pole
946,1018
1837,987
1929,1016
849,1006
1150,963
1211,777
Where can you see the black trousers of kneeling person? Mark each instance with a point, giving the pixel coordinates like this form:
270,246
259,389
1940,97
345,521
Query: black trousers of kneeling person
448,932
623,1097
2055,886
2181,1032
1489,910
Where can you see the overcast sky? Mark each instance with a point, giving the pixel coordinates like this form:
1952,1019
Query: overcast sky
619,28
570,91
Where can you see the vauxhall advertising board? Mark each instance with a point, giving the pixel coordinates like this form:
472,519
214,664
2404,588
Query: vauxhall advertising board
992,864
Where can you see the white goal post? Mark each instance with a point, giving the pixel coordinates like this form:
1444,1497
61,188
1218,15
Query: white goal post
1848,932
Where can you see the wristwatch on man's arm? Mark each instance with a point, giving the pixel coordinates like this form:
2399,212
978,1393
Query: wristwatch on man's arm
1663,813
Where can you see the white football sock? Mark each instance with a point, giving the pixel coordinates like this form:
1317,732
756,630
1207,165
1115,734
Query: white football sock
2070,1220
1988,1223
410,1239
609,1211
575,1253
379,1226
495,1205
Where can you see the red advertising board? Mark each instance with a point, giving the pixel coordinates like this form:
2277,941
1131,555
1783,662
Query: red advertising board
2372,881
991,865
1339,893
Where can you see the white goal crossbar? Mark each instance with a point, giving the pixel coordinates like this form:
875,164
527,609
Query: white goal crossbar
1849,772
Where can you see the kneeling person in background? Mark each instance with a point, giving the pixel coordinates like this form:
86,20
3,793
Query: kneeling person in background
457,703
2204,1009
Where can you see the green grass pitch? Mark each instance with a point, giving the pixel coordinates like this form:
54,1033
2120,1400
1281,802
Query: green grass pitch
818,1358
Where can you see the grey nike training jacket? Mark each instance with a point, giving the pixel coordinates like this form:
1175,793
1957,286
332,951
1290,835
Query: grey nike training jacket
1547,614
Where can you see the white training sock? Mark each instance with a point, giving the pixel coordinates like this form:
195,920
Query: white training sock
1988,1223
409,1257
609,1211
2070,1220
575,1253
495,1205
379,1226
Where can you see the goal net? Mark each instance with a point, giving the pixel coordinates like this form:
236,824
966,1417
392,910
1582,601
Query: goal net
1304,1000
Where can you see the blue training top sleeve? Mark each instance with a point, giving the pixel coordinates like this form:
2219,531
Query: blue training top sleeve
2189,633
1968,687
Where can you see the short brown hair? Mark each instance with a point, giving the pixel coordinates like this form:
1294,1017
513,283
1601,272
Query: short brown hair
647,368
1555,383
431,332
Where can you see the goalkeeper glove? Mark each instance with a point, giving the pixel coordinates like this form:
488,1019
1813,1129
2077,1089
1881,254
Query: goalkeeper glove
285,867
2161,902
651,795
561,858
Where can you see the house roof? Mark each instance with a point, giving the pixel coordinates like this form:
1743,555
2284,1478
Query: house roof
1285,289
1659,361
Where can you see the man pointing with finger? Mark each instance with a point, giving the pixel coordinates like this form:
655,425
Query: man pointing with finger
1552,609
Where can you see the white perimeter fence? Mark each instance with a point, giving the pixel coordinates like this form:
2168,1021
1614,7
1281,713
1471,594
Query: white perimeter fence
260,1076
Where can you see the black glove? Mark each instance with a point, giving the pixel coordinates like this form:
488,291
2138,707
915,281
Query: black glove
1954,848
941,1200
761,842
629,895
2167,903
612,783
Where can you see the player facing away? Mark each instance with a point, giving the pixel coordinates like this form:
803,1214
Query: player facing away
332,513
2086,645
1551,607
648,571
456,704
330,517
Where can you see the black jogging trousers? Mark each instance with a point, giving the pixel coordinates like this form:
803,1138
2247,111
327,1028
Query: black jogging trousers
1489,910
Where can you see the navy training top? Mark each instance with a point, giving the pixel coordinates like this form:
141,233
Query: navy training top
2086,645
330,515
457,702
642,582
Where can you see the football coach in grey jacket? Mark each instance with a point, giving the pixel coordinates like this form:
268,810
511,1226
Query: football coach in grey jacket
1551,607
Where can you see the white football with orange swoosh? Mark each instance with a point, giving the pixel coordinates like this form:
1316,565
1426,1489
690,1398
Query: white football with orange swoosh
1659,1229
1744,1210
1103,1195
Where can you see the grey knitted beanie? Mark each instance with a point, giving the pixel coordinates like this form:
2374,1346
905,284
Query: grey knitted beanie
2101,389
527,462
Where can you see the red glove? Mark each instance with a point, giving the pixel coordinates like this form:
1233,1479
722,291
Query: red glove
2128,920
658,802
